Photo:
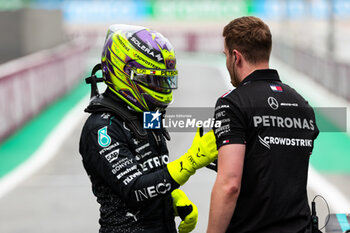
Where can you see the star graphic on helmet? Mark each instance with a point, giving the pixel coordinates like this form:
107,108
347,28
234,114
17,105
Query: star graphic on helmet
156,115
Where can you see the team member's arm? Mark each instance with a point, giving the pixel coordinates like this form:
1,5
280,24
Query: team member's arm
230,139
226,188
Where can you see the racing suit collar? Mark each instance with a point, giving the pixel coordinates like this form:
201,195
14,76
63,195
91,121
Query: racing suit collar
109,94
260,75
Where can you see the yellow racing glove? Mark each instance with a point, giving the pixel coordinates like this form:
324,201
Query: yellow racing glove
187,211
202,152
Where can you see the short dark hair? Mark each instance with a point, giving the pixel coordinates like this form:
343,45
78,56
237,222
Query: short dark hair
250,36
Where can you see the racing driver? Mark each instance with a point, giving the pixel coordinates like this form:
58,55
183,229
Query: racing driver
129,168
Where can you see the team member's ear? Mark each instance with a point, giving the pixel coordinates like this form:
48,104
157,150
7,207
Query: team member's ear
235,55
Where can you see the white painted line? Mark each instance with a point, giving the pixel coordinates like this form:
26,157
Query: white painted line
46,151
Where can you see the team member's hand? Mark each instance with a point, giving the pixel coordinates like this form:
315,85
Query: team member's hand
187,211
202,152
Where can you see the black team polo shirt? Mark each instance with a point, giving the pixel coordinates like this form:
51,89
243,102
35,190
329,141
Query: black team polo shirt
278,127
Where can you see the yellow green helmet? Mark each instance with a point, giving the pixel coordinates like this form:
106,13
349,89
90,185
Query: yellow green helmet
139,66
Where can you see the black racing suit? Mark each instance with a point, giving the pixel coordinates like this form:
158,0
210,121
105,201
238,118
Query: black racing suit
128,175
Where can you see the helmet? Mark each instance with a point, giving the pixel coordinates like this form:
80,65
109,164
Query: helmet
139,66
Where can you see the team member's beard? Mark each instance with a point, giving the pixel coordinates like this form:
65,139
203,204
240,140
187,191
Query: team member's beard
234,76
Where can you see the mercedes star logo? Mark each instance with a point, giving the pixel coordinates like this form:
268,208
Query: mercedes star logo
273,103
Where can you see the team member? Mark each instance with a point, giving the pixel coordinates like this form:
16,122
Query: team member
265,140
128,166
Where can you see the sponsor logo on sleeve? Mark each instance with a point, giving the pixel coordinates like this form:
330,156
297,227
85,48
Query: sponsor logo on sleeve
108,148
104,139
220,114
226,120
152,191
222,130
276,88
222,106
112,155
142,147
122,163
141,156
131,177
126,171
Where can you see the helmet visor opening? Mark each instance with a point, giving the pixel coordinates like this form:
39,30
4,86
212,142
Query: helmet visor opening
157,80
